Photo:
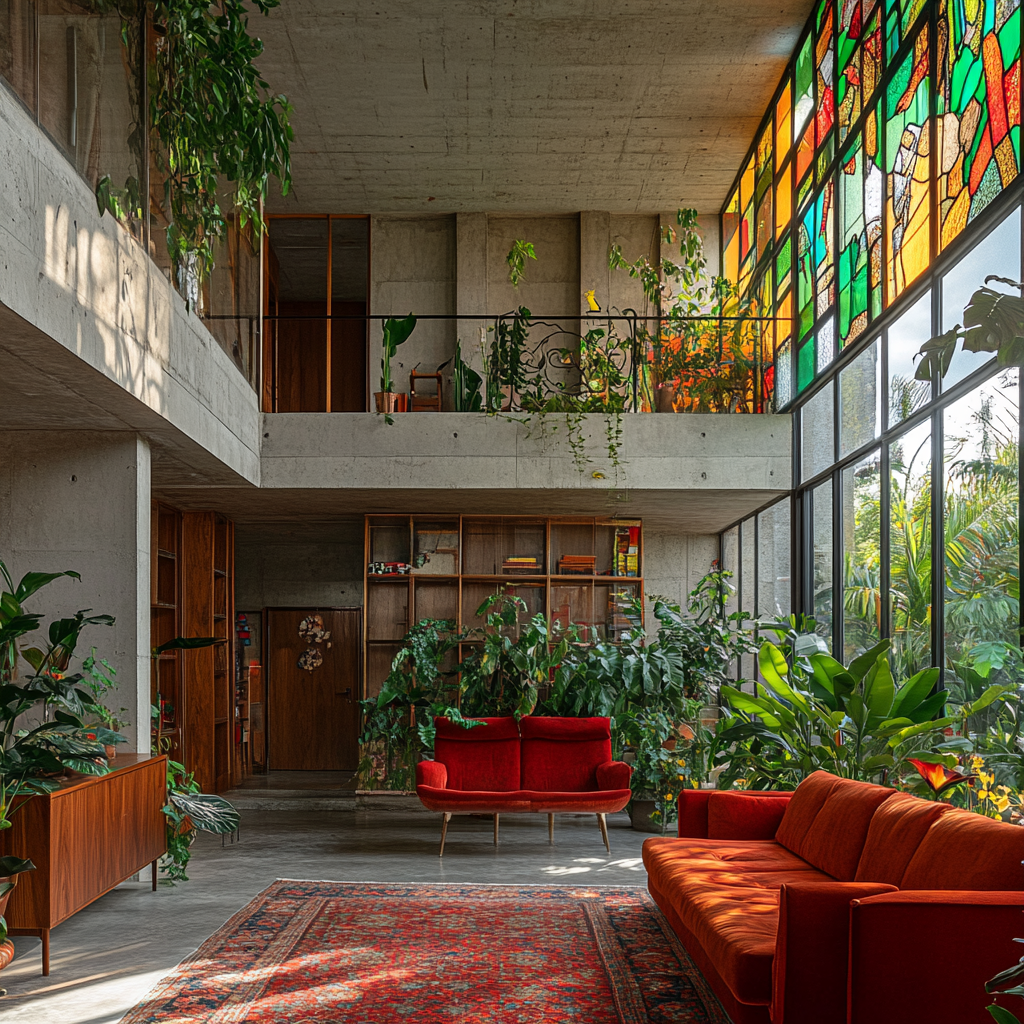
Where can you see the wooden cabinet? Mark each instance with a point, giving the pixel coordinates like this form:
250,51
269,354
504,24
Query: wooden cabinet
85,838
580,571
193,596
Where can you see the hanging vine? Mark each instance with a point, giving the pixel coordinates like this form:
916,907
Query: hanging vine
212,119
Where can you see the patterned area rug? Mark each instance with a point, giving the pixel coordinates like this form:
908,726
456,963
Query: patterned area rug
327,952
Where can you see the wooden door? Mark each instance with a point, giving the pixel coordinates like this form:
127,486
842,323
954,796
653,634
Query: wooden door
313,720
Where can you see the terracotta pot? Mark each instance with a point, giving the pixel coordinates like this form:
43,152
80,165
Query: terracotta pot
6,953
110,750
390,401
669,744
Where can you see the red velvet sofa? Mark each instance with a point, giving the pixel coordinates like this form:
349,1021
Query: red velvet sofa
543,765
841,903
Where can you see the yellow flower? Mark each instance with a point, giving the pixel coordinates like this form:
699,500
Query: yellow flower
976,763
681,763
986,779
1002,801
668,796
681,778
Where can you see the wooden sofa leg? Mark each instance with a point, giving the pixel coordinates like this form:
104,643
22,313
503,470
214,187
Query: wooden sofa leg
551,830
604,831
496,830
445,818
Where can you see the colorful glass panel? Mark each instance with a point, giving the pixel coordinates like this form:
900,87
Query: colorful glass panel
861,72
825,67
804,365
784,374
860,233
978,107
784,200
824,259
805,152
806,232
804,89
826,347
747,238
731,237
908,176
900,16
783,125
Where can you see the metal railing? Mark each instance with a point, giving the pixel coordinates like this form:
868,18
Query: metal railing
514,362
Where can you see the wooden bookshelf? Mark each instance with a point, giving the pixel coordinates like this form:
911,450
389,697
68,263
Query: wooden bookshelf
572,570
165,621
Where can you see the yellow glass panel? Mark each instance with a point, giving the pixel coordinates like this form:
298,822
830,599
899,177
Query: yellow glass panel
784,201
783,125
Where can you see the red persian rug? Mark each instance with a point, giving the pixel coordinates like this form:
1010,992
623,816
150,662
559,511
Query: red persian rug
324,952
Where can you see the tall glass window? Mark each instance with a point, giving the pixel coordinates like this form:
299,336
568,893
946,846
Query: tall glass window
861,525
821,531
774,587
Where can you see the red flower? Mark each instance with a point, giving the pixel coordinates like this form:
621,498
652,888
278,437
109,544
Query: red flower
939,777
90,735
948,731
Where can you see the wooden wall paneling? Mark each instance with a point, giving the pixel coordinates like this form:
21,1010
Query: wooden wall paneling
197,620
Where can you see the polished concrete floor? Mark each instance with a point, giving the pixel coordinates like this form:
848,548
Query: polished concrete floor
105,959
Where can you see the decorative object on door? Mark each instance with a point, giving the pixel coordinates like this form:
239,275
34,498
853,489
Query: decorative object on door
310,659
555,953
311,629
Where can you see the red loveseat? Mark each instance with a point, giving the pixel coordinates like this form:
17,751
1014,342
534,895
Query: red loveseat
841,903
543,765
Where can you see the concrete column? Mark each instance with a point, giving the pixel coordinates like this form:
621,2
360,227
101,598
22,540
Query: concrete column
471,284
595,240
81,501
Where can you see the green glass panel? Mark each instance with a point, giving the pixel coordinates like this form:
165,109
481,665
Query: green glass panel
784,262
804,365
804,106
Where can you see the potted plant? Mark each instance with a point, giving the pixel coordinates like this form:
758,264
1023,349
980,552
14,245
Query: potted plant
396,332
98,678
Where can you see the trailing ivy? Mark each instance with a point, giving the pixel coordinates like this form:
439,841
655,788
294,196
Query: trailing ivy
212,118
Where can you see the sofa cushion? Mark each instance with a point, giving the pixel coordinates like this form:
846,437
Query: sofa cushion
484,758
896,831
835,840
744,815
562,754
964,850
593,801
827,822
463,801
803,808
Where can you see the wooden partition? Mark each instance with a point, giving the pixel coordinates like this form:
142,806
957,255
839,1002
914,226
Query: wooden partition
579,571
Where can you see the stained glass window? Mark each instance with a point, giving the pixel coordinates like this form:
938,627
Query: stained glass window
978,107
804,89
731,238
900,16
908,176
860,61
824,261
783,125
860,233
825,66
784,201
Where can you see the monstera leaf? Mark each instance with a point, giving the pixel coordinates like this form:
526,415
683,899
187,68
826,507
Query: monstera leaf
207,812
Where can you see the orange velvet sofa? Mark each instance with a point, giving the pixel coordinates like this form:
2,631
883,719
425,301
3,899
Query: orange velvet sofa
538,764
841,903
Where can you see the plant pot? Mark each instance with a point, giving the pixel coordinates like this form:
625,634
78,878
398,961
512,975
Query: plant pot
640,812
6,956
13,879
391,401
110,750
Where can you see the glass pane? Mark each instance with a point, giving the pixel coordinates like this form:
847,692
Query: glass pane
981,587
862,606
998,253
908,169
18,49
773,573
821,529
860,401
910,559
748,584
816,433
978,106
731,563
906,336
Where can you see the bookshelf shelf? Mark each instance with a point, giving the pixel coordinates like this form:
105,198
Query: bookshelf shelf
456,562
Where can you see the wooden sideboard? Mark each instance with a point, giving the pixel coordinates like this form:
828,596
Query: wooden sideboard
85,838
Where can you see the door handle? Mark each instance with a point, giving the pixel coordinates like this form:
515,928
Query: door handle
347,692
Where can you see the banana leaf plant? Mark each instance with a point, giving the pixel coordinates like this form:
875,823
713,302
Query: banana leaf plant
396,332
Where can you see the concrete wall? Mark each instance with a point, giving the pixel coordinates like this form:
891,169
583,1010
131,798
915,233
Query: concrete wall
307,566
81,501
80,280
673,565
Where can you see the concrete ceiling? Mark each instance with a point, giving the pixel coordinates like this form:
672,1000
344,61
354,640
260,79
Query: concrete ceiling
523,105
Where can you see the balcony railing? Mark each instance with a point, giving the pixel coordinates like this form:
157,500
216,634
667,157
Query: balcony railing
518,363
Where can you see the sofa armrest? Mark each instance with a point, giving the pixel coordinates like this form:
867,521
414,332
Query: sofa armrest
613,775
810,969
431,773
949,944
741,813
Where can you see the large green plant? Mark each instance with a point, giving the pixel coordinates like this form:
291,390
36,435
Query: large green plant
212,119
396,332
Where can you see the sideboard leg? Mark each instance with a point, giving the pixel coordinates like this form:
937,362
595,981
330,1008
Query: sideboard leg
496,830
153,866
45,936
604,831
551,830
445,818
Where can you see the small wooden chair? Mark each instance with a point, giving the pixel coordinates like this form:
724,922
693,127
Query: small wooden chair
420,402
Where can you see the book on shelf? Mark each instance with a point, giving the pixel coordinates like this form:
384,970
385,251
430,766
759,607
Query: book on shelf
627,550
577,565
522,565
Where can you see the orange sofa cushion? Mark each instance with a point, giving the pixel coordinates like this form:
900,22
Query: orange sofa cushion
964,850
895,833
743,815
727,894
803,808
835,840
